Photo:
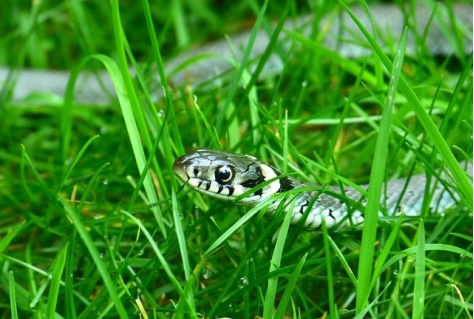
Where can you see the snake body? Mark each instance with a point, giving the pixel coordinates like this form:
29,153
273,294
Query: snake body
226,176
434,25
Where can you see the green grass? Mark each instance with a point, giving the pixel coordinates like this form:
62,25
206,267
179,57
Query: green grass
93,223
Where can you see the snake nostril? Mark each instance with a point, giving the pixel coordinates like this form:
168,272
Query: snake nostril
196,171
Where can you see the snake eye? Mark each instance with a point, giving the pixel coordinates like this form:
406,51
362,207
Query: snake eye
224,174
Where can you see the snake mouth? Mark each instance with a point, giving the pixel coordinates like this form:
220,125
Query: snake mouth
180,170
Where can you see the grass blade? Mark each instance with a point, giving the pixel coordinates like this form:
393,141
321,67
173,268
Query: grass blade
243,64
275,264
6,240
184,254
286,297
12,293
132,113
53,295
376,180
420,265
330,282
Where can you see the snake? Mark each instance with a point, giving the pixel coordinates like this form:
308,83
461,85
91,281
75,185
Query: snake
247,181
227,176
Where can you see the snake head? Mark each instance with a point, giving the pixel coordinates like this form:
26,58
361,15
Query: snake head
225,176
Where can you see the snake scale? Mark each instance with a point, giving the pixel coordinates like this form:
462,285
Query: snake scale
226,176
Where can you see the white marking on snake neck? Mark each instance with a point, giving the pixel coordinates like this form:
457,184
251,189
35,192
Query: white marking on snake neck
274,186
238,190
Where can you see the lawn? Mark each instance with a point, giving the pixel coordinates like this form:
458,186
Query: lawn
94,224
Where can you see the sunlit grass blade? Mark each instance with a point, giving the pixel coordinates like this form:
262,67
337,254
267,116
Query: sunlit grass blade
170,113
428,247
129,118
342,260
420,266
348,65
90,185
131,110
376,180
76,159
214,139
188,289
70,302
368,308
286,297
12,293
275,262
386,250
330,282
55,282
243,64
12,233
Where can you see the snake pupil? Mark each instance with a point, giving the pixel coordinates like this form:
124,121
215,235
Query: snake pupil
224,174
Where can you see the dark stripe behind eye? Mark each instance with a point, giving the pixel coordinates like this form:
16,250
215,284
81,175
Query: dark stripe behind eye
286,184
